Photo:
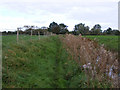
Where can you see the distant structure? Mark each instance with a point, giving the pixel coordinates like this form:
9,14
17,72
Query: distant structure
119,15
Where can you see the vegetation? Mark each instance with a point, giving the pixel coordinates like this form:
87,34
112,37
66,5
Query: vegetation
62,29
98,63
44,63
110,42
96,30
81,29
40,63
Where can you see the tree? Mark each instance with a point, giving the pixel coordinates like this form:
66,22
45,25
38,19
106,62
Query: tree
54,27
44,30
4,33
63,28
86,31
81,29
109,31
10,32
96,30
29,29
21,32
116,32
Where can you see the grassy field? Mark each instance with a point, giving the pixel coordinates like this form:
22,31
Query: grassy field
44,63
38,63
110,42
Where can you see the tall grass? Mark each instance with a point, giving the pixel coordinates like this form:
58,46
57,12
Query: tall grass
38,63
27,64
98,63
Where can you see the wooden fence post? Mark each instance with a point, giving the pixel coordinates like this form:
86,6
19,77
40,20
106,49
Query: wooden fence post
31,32
17,35
44,33
39,34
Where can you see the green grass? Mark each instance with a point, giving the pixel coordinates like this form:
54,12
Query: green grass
35,63
43,63
110,42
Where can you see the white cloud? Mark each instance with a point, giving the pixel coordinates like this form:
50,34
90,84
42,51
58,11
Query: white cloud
15,13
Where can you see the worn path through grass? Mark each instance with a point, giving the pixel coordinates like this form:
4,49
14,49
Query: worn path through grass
37,63
40,63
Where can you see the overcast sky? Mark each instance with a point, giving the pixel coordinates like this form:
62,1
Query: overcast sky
17,13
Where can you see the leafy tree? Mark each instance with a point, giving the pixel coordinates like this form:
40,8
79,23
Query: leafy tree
28,29
10,32
109,31
4,33
116,32
54,27
81,29
63,28
44,28
21,32
96,30
86,31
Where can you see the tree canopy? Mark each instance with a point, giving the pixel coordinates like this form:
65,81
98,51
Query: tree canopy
81,29
62,29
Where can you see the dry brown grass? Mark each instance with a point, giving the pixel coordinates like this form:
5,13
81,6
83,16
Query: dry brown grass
97,62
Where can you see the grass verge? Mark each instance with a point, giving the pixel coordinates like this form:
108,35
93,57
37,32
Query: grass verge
40,63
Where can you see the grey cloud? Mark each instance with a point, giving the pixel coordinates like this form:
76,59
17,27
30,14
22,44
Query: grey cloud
73,10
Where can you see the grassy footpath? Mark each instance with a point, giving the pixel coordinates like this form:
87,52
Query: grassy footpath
37,63
110,42
40,63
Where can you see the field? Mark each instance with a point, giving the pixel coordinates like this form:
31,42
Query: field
44,63
110,42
